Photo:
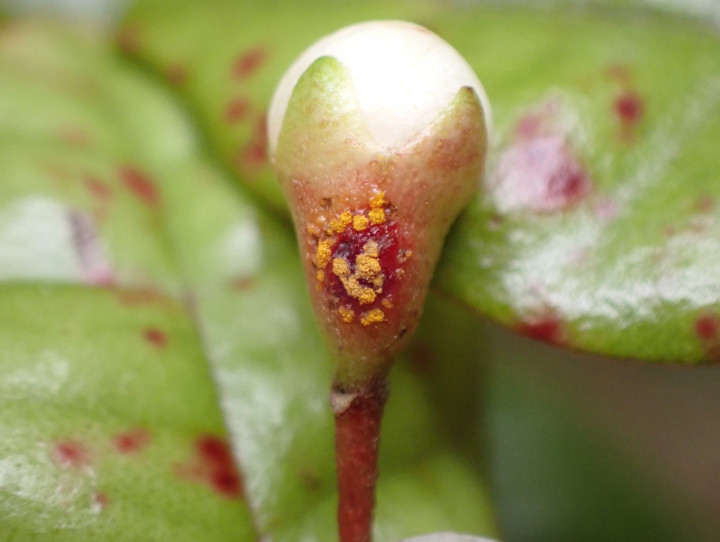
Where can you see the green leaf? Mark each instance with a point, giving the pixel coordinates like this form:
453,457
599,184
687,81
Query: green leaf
148,305
595,229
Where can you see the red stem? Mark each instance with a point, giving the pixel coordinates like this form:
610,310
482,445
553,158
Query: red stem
357,439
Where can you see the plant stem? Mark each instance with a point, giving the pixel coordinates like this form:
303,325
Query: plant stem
357,437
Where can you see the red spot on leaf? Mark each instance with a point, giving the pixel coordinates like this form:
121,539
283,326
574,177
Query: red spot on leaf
704,204
214,466
101,499
140,185
142,296
540,174
237,110
132,441
176,74
128,39
214,451
707,326
226,483
249,62
243,283
70,454
547,329
97,188
629,107
155,337
254,153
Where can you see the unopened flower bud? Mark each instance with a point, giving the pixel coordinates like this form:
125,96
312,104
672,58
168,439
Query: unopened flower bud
378,134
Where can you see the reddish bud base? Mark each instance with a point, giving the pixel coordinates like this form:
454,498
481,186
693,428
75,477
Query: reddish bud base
357,438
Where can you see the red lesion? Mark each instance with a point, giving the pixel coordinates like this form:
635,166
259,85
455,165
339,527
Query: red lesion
70,454
628,105
548,329
101,499
707,329
98,189
213,465
128,39
359,262
155,337
176,74
140,185
237,110
253,154
131,441
248,62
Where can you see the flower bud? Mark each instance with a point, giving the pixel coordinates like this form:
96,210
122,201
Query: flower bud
378,135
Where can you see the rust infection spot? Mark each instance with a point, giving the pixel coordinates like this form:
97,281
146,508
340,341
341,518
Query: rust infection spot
249,62
141,296
246,282
70,454
97,188
629,107
707,326
176,74
254,153
547,329
132,441
358,262
128,39
101,499
237,110
541,174
155,337
704,204
140,185
214,466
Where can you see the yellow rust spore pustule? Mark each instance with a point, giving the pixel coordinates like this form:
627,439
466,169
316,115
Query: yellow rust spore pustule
360,222
347,314
367,267
341,268
340,223
377,215
378,200
323,253
374,316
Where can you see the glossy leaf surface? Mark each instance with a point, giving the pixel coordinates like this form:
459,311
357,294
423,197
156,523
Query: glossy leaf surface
148,305
596,227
